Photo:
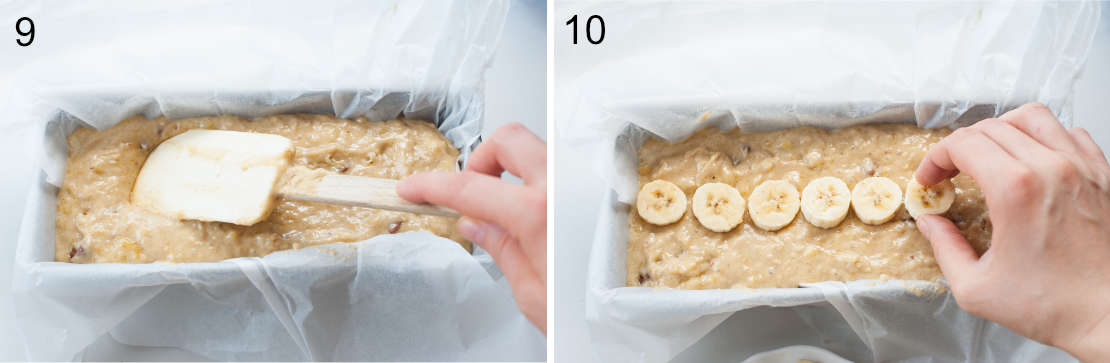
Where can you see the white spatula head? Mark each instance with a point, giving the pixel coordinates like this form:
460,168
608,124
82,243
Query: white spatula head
213,175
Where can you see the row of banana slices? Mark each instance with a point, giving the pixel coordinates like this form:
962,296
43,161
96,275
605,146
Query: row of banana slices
773,204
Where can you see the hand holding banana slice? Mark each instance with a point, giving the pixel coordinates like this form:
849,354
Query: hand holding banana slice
660,202
773,204
825,201
718,206
933,199
875,200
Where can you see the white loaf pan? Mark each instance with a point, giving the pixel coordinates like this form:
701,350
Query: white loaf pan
405,296
894,319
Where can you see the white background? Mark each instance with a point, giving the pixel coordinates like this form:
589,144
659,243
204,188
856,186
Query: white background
515,92
577,199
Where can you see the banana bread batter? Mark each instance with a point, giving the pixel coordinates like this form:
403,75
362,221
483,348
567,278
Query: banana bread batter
686,255
96,222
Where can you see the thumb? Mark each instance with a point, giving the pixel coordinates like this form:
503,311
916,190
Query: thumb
954,255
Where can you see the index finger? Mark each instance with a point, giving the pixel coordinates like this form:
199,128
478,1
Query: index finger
969,151
480,196
512,147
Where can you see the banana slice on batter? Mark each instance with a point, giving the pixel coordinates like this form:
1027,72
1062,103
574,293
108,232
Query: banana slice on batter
660,202
875,199
718,206
773,204
934,199
825,201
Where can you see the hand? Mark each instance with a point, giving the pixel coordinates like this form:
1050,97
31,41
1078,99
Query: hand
508,220
1047,272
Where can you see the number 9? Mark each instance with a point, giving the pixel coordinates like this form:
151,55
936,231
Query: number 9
30,33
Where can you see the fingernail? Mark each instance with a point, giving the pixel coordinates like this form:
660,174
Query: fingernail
923,226
470,229
403,188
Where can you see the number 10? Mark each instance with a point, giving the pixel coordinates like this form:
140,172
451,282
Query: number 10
573,22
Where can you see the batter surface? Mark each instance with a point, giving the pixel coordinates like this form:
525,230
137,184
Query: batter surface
96,222
686,255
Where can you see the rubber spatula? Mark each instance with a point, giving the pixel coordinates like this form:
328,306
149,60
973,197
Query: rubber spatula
232,176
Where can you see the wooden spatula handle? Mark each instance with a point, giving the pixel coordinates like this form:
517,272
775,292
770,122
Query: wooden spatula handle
365,192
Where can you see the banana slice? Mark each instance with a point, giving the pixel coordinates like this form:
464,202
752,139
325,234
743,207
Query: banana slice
934,199
773,204
825,201
718,206
875,199
660,202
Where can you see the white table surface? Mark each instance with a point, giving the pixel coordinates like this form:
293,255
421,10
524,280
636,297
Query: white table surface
576,205
515,91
